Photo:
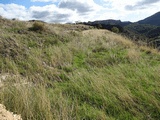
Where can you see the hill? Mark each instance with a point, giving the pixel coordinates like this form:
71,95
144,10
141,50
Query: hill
143,32
152,20
147,30
112,22
75,72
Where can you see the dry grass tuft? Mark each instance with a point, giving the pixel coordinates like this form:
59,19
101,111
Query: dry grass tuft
148,50
133,55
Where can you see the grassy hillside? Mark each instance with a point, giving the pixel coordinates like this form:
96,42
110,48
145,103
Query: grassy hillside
144,33
74,72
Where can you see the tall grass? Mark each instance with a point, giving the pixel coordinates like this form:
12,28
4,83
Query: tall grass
89,75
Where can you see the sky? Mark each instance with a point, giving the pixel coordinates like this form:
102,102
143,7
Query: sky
68,11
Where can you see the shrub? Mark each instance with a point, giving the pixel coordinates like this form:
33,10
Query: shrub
99,26
38,26
115,29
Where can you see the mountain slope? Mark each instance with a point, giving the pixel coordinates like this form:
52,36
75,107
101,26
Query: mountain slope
144,30
152,20
112,22
76,72
141,31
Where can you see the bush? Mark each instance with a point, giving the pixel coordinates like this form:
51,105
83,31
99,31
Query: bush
115,29
38,26
99,26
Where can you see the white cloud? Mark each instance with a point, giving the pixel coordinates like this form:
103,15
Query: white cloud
119,4
14,11
76,5
51,13
65,11
43,0
80,10
142,4
119,8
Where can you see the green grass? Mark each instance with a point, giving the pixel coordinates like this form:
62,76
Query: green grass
63,74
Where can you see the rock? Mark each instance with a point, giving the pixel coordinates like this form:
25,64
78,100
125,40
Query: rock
7,115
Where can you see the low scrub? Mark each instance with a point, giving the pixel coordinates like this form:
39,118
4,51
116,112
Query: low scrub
38,26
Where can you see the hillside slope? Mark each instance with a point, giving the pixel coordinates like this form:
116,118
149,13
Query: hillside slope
146,30
75,72
151,20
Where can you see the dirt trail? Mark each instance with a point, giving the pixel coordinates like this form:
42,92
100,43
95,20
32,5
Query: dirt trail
7,115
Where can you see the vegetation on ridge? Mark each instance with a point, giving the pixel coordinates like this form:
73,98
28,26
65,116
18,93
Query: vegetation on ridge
145,31
75,72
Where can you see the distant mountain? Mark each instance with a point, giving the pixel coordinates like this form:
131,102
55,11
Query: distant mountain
112,22
154,33
147,30
108,24
140,28
152,20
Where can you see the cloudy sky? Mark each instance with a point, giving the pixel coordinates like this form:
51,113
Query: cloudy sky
62,11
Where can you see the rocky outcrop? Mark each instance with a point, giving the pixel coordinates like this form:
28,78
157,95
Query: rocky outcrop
7,115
